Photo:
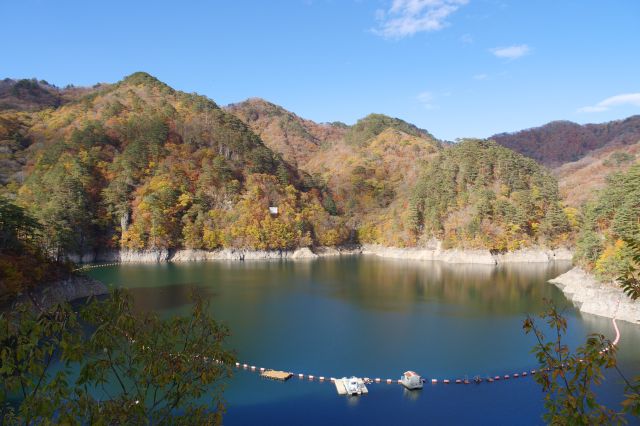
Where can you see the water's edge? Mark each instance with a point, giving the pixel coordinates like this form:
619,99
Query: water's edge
66,290
484,257
604,299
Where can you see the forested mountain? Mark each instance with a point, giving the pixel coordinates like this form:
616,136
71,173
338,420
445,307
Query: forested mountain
139,165
480,194
562,142
370,168
284,132
371,174
472,194
608,220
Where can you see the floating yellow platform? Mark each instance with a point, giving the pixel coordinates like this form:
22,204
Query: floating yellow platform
276,375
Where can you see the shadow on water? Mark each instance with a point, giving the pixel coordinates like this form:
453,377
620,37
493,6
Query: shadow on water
169,297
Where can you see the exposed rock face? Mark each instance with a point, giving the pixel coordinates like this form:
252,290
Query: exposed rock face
228,254
597,298
303,253
483,257
67,290
433,252
337,251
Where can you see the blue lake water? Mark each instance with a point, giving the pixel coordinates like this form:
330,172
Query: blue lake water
374,317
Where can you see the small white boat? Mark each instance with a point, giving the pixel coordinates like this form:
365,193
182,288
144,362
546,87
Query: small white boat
411,380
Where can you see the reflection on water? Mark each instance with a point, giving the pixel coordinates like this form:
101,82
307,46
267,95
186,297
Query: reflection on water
170,296
411,395
371,317
398,284
371,283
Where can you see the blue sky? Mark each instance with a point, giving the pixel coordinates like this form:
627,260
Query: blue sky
457,68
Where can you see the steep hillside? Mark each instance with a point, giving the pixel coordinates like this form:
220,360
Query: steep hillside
14,141
140,165
580,179
561,142
295,138
480,194
371,181
612,217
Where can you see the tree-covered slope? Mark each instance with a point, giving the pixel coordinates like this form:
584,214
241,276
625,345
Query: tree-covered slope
24,264
580,180
371,175
295,138
608,220
479,194
140,165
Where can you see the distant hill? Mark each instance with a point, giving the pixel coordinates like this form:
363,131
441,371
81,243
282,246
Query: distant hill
33,94
579,180
295,138
561,142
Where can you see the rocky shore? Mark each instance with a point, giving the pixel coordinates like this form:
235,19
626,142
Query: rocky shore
66,290
484,257
189,255
597,298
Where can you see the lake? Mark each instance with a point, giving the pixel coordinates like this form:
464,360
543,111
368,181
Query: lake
375,317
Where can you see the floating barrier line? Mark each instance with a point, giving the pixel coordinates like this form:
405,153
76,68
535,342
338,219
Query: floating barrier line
311,377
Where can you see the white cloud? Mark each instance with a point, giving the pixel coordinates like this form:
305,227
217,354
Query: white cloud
632,99
511,52
408,17
426,99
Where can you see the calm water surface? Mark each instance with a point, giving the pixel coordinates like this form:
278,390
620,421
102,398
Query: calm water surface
375,317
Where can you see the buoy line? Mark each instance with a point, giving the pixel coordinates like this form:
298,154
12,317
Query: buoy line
311,377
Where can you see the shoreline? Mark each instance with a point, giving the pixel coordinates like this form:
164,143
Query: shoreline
593,297
451,256
74,287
